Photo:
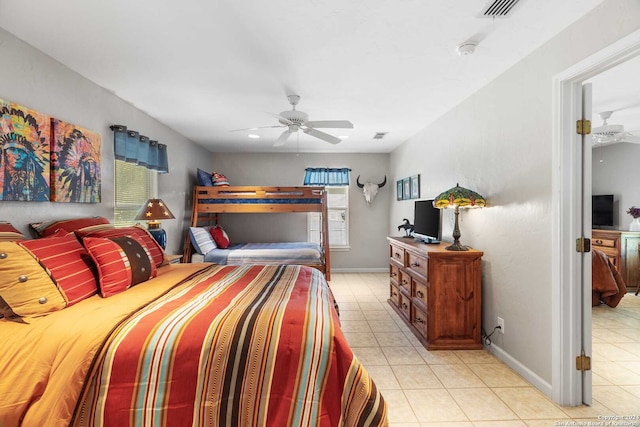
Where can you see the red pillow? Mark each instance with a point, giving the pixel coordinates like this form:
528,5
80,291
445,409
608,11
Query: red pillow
122,262
8,233
67,263
43,229
140,233
220,237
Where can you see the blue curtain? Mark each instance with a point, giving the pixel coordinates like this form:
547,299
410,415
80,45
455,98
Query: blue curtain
132,147
326,176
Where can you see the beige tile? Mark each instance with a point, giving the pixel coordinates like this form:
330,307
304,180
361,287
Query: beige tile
498,375
413,340
545,423
509,423
599,380
352,315
613,353
435,405
617,399
439,357
370,356
616,373
402,356
398,407
404,424
383,326
584,411
371,306
448,424
416,377
631,347
476,356
457,376
349,306
529,403
482,404
354,326
361,339
633,389
377,315
392,339
383,376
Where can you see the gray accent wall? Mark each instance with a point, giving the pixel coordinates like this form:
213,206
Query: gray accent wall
32,79
498,143
367,223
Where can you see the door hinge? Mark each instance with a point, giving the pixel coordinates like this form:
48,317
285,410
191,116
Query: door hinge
583,127
583,363
583,245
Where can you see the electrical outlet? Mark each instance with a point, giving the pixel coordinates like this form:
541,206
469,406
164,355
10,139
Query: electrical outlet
501,324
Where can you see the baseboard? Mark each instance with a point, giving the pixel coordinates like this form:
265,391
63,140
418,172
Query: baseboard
520,369
360,270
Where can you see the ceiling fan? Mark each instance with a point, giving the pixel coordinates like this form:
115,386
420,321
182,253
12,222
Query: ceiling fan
611,134
294,120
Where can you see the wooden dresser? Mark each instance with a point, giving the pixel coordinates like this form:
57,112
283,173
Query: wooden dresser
622,249
437,292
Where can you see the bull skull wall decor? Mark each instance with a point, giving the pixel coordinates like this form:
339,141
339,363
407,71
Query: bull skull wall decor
370,189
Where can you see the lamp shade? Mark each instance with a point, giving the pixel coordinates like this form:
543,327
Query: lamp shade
459,196
154,210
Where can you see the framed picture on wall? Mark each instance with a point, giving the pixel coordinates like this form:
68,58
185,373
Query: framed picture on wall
399,189
406,189
415,187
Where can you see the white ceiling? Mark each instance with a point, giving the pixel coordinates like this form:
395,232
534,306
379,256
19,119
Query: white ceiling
205,68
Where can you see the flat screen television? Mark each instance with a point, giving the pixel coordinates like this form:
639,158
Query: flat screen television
426,222
602,210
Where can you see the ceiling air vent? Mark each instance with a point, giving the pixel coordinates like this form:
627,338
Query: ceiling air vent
379,135
498,8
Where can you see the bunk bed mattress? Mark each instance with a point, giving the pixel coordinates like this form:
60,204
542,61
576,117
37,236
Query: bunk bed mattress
267,253
198,345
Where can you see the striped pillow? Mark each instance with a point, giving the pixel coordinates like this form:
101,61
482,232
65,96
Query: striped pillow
43,229
201,240
122,262
8,233
67,263
139,232
25,288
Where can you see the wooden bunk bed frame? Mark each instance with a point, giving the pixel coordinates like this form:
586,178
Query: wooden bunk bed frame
260,199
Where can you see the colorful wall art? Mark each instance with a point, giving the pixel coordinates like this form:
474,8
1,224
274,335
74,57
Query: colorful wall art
75,160
24,153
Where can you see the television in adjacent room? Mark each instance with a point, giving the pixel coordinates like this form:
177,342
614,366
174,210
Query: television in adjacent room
426,222
602,210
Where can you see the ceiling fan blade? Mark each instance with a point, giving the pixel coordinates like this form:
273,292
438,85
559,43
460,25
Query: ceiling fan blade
282,138
343,124
323,136
256,128
282,119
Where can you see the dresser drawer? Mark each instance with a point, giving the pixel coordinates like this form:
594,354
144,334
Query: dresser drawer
404,282
397,254
419,320
394,274
417,264
604,242
404,305
419,292
394,295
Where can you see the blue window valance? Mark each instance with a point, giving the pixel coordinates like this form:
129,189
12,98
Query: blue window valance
132,147
326,176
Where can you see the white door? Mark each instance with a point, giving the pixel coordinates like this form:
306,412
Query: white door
586,232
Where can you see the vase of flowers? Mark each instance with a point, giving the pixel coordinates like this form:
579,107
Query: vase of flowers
635,222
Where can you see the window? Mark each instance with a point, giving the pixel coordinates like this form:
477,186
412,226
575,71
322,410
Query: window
134,186
338,218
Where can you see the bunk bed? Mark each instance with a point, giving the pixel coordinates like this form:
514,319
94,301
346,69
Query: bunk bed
209,202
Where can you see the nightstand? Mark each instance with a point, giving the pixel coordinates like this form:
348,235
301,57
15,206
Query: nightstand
174,259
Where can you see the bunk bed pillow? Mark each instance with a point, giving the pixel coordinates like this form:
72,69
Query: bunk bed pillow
67,263
122,262
202,240
220,237
25,288
43,229
204,178
8,233
139,232
219,180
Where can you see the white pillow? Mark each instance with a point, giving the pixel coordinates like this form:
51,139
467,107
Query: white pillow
202,240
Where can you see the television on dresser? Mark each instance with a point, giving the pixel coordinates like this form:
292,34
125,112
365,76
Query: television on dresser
426,222
602,210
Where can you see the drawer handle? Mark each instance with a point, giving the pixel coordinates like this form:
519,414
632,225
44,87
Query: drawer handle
419,320
394,274
394,294
404,305
415,264
419,294
598,242
404,282
397,255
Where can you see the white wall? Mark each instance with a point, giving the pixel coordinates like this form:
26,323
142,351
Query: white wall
368,223
34,80
618,174
498,143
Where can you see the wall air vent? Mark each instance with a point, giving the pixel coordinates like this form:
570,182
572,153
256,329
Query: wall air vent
498,9
379,135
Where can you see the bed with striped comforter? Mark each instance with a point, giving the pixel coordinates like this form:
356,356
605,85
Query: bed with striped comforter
228,345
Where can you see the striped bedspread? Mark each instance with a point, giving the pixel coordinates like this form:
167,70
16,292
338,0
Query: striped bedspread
238,346
267,253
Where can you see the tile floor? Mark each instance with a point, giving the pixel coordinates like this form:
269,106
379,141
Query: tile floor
473,388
